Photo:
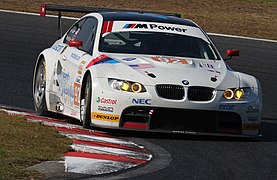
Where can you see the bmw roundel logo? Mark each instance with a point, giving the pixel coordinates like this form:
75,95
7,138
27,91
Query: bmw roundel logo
185,82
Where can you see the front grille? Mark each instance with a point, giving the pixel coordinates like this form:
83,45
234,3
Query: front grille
197,93
174,92
171,119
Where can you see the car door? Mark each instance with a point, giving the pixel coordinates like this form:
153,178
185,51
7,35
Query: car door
70,59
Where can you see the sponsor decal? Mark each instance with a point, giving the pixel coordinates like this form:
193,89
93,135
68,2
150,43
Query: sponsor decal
78,79
250,126
105,117
103,100
141,66
169,60
252,118
129,59
77,92
58,48
105,108
155,27
252,109
81,67
75,56
227,107
141,101
65,89
101,59
208,67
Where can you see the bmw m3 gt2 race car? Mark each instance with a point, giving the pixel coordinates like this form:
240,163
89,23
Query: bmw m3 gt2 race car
144,71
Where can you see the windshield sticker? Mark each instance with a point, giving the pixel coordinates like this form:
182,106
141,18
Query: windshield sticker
128,26
155,26
169,60
101,59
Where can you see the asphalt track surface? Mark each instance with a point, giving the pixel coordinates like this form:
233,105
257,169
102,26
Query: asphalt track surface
181,157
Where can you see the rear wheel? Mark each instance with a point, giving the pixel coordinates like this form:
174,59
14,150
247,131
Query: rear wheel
39,89
85,106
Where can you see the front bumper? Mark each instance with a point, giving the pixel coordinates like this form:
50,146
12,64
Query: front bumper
148,111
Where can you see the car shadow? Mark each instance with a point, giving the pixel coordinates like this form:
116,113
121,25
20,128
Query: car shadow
268,134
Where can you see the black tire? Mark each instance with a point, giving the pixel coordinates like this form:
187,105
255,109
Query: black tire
39,89
85,107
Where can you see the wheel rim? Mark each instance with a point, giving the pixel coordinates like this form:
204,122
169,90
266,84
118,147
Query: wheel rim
83,103
82,109
39,86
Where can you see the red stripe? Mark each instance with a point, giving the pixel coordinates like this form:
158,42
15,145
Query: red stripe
106,157
134,125
104,28
45,119
92,62
133,25
83,131
111,145
110,26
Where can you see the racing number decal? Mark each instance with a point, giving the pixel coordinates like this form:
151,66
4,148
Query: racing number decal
77,91
169,60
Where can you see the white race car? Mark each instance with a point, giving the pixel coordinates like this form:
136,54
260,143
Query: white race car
144,71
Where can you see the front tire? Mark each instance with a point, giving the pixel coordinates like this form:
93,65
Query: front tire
85,105
40,88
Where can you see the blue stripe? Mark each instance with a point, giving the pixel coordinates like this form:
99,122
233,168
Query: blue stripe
126,26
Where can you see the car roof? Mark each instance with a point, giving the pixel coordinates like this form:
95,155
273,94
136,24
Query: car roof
147,17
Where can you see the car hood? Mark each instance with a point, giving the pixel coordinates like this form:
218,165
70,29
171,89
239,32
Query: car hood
151,70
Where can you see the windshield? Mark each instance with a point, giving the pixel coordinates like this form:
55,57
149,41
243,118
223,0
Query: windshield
157,43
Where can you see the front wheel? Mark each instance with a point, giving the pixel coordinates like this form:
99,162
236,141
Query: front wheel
85,105
40,88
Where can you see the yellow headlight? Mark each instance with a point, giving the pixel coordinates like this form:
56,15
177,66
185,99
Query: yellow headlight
238,94
228,94
125,86
136,87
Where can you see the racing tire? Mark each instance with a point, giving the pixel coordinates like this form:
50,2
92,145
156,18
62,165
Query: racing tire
85,106
39,89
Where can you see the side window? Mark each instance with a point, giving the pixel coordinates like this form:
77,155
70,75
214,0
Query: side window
85,31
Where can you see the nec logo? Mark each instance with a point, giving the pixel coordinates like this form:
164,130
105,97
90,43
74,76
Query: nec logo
142,101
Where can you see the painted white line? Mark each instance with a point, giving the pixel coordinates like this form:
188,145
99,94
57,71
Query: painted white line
94,166
213,34
243,37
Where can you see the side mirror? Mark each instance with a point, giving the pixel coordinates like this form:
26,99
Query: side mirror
75,43
230,53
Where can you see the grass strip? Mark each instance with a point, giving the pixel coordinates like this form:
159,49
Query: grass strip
24,143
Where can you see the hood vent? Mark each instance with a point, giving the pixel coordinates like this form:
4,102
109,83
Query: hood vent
151,75
167,91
